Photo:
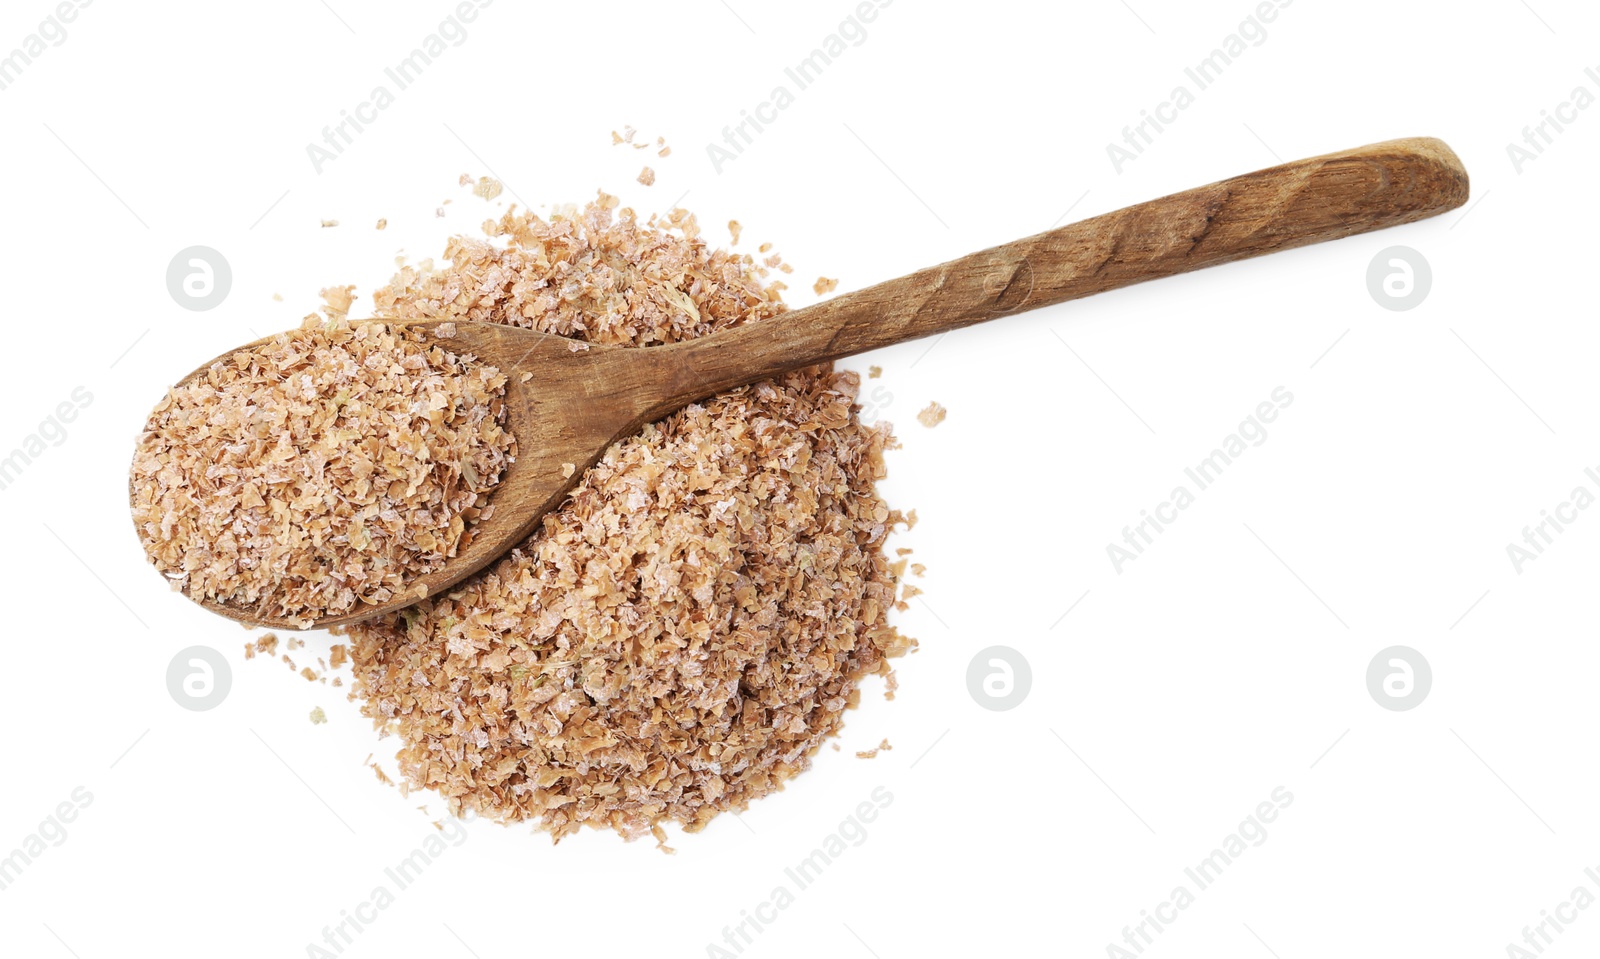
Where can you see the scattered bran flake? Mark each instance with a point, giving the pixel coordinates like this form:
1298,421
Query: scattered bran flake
464,180
295,643
932,416
873,752
660,836
647,176
249,650
824,286
684,633
917,569
268,644
903,551
326,224
488,188
907,591
309,675
873,372
336,655
383,224
327,468
438,212
734,229
664,152
278,297
683,220
318,717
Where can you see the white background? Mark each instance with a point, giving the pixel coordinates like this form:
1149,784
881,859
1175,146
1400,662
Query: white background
1227,661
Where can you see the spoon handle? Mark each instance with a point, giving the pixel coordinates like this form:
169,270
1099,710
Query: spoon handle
1307,201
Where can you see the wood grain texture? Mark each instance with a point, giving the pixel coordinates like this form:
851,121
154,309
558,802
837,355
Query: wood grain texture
578,402
1308,201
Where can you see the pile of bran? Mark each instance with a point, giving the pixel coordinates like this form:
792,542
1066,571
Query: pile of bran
681,636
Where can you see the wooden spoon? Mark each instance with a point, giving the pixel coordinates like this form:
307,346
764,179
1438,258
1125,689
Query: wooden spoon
578,402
